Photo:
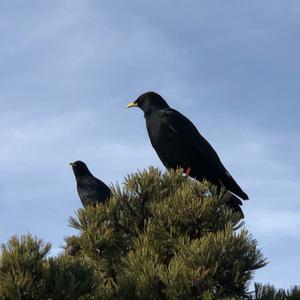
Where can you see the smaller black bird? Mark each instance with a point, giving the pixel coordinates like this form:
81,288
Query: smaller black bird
90,189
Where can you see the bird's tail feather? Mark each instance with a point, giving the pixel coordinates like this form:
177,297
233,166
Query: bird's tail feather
232,186
235,204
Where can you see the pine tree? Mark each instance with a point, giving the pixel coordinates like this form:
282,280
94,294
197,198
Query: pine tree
160,236
269,292
165,236
26,273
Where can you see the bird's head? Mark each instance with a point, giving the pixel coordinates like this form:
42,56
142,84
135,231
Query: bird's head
149,102
80,168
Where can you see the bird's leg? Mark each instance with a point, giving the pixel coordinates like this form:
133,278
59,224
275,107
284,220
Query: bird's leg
188,171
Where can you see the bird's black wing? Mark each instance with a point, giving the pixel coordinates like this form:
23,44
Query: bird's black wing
91,189
188,132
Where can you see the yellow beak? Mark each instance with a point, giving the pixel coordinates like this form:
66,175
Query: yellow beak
132,104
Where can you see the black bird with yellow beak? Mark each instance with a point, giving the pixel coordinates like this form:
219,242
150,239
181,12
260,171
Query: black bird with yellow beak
178,143
91,190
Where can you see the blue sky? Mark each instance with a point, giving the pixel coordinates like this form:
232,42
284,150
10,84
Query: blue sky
68,69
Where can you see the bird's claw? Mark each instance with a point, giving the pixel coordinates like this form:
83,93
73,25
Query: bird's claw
188,171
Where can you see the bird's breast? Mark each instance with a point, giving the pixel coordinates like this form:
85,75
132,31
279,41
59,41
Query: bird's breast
166,143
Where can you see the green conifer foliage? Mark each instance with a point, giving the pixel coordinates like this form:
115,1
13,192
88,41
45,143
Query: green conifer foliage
269,292
166,236
161,236
26,273
22,267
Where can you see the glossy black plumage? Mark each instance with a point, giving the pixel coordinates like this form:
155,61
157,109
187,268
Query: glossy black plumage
178,143
91,190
